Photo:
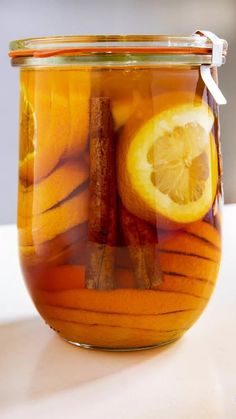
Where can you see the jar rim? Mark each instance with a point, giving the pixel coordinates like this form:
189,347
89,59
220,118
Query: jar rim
66,47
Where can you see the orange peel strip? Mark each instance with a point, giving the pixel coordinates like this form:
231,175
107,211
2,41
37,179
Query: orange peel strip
38,198
66,277
181,320
48,225
205,231
188,285
123,301
183,242
61,108
72,253
193,266
112,337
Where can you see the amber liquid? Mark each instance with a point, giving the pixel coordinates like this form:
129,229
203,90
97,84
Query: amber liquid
104,268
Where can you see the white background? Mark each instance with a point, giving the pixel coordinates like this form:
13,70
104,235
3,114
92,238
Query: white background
43,377
26,18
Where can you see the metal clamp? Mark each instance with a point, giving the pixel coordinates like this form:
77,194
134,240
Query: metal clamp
217,47
217,61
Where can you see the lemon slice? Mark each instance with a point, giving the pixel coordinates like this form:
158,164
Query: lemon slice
167,167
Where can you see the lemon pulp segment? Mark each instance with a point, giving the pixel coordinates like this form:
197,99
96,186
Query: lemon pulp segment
169,168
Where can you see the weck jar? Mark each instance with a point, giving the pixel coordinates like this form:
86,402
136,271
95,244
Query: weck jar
119,198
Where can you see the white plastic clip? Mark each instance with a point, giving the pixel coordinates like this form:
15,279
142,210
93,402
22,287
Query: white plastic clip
216,61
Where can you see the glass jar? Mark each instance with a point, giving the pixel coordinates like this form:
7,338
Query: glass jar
119,185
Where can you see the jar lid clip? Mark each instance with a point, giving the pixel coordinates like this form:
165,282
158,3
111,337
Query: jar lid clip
205,70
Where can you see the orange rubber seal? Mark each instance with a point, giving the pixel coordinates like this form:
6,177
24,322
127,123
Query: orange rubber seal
44,53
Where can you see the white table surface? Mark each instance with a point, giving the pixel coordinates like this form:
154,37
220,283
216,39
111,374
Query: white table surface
41,376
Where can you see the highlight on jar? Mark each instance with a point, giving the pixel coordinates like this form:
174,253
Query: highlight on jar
119,198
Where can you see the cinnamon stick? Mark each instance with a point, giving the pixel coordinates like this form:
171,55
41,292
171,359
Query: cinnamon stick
102,204
143,249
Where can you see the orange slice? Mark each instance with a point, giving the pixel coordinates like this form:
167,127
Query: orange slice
123,109
54,119
49,224
27,136
51,190
126,301
67,247
102,336
167,161
126,317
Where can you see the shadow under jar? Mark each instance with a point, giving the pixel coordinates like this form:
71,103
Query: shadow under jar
119,185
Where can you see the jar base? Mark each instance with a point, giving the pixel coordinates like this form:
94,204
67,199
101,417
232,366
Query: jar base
110,349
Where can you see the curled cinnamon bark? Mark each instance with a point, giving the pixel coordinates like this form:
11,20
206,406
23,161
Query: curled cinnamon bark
102,202
142,244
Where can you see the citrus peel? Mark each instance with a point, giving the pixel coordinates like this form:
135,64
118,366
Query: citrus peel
167,161
54,119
